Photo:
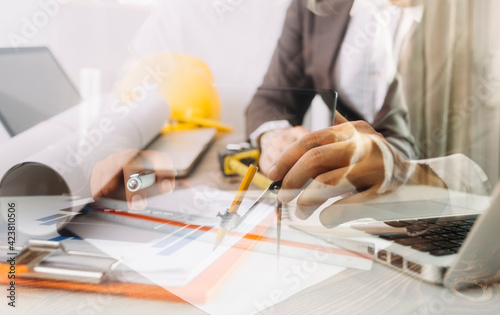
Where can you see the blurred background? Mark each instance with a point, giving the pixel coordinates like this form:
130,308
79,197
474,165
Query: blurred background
449,63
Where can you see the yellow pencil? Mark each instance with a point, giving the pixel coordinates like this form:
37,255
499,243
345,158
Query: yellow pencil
237,200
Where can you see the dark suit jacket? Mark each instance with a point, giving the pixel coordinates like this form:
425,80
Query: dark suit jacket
304,58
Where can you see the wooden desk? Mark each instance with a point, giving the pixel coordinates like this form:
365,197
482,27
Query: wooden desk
377,291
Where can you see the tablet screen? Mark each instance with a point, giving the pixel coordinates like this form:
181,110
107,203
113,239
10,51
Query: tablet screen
33,88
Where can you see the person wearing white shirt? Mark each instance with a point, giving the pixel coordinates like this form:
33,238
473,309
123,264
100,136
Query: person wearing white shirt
351,46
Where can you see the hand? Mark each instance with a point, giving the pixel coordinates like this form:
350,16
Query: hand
116,168
274,142
348,158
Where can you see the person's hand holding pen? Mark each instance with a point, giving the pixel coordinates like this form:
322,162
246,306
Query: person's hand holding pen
129,164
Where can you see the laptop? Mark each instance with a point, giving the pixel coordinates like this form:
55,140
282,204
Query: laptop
34,87
460,249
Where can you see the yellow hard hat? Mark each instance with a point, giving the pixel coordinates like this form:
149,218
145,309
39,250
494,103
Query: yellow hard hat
185,82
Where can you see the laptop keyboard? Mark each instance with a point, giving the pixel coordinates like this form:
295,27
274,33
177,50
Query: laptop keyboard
437,236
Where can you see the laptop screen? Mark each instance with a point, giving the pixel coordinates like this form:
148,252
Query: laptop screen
33,88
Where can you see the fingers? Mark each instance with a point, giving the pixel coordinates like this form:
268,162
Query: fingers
369,169
274,142
107,174
95,180
135,200
359,177
158,162
339,119
303,145
268,157
163,166
314,163
348,158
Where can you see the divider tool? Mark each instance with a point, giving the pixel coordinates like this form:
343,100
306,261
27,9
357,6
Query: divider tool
231,220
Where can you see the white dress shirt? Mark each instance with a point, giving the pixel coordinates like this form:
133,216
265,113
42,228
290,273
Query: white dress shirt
368,57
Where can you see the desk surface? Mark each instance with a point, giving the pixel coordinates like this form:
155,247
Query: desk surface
380,290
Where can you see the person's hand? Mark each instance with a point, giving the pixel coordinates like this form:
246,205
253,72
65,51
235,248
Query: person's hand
348,158
274,142
116,168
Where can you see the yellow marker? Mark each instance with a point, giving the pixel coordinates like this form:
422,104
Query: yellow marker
237,200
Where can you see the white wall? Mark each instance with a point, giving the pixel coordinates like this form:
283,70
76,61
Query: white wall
235,38
81,34
92,39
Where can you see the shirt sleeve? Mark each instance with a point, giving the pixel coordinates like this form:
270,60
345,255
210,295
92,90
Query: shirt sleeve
276,100
265,127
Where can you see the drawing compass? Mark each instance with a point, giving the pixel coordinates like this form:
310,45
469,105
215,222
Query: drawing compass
230,219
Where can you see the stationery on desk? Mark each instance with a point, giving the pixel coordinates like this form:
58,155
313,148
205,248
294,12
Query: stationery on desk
154,241
147,243
166,252
158,253
178,256
229,219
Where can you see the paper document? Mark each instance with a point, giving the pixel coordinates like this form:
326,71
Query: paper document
168,252
57,156
72,142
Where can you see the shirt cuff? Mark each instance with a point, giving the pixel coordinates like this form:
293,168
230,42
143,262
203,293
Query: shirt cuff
265,127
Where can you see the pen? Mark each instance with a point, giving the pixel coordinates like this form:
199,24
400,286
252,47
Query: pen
237,201
141,180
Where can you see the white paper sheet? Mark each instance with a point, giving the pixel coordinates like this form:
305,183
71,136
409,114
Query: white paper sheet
71,143
183,252
258,284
